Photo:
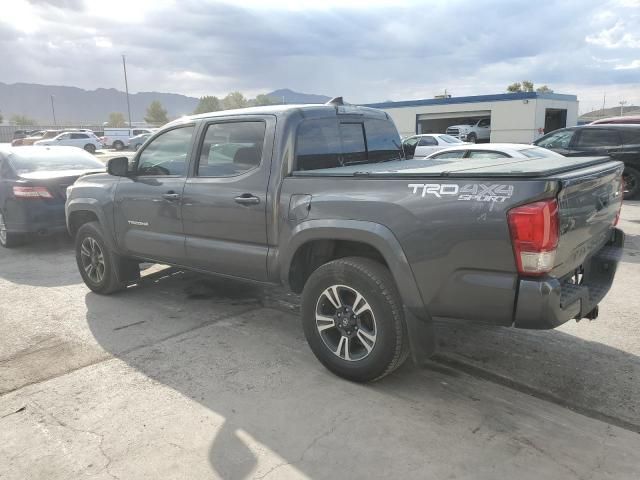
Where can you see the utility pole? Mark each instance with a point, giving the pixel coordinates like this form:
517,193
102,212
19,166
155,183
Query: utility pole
126,87
604,99
622,104
53,111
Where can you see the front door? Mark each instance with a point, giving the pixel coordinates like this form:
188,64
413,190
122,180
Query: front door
225,198
148,203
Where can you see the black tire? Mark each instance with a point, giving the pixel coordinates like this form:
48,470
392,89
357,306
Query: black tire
472,138
90,147
136,147
118,145
9,239
376,285
631,178
117,271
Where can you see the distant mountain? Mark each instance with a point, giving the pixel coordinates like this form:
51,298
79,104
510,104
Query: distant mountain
609,112
73,105
92,107
290,96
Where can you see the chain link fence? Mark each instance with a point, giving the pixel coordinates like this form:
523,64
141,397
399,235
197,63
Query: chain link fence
7,131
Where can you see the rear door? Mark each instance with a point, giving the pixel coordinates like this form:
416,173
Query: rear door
148,204
79,140
225,197
595,142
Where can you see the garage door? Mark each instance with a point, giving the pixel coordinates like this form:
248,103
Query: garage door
438,122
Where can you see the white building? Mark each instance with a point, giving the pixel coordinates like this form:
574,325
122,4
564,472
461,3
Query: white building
515,117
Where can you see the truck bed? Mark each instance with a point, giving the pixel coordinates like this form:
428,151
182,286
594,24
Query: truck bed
467,167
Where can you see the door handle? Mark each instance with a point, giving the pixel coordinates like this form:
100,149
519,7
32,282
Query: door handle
247,199
171,196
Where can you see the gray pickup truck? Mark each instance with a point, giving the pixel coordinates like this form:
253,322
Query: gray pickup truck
320,199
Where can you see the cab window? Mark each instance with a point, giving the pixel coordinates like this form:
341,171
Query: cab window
167,154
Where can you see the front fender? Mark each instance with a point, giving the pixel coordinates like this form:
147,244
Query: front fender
91,205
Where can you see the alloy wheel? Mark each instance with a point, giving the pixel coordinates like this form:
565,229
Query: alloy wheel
92,259
346,323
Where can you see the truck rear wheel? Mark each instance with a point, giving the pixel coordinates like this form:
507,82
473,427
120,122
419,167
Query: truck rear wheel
102,270
352,318
118,145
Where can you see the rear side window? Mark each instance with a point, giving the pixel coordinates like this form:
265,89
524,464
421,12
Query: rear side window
383,141
318,144
560,139
487,154
597,137
326,143
77,136
230,149
445,155
427,142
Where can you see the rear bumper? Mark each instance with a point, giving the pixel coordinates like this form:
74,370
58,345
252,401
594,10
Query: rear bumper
550,302
36,216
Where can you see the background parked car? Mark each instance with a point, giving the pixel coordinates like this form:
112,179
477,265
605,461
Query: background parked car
620,142
23,133
136,142
118,138
422,145
472,130
85,140
628,120
34,137
33,185
494,150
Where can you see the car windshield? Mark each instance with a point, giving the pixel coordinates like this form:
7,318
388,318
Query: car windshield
450,139
54,162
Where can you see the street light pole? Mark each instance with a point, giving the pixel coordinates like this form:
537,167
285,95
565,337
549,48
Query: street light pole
53,111
622,104
126,86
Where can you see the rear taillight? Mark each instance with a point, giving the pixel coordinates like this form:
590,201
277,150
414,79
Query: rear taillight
534,234
31,192
620,195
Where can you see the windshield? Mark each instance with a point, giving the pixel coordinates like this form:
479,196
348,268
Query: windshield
450,139
54,163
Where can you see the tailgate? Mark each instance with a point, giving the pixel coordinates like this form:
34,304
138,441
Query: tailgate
589,201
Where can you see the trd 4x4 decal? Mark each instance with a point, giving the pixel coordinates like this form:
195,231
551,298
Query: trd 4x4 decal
478,192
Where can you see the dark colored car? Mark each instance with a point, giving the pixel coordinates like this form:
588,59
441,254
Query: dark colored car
33,183
319,198
620,142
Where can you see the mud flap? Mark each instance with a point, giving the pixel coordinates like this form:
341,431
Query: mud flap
422,337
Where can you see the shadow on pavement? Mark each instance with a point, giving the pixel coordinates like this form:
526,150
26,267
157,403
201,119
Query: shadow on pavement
46,261
237,368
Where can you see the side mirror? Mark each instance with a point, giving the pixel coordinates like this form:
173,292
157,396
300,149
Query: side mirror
118,167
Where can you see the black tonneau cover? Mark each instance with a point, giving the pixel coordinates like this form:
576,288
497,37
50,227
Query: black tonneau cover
466,167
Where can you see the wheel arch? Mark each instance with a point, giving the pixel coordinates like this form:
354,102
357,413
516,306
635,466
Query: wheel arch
315,242
81,211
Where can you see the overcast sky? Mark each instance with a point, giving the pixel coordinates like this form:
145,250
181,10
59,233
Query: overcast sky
367,51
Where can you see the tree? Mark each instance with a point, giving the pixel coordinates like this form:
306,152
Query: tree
156,114
527,86
514,87
208,104
116,119
22,120
544,89
234,100
262,99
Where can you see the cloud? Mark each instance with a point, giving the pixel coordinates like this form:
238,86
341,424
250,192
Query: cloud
366,51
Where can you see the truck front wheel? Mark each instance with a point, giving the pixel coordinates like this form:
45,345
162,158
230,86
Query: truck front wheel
471,138
352,318
102,270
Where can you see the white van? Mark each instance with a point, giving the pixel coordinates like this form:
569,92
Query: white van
118,138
